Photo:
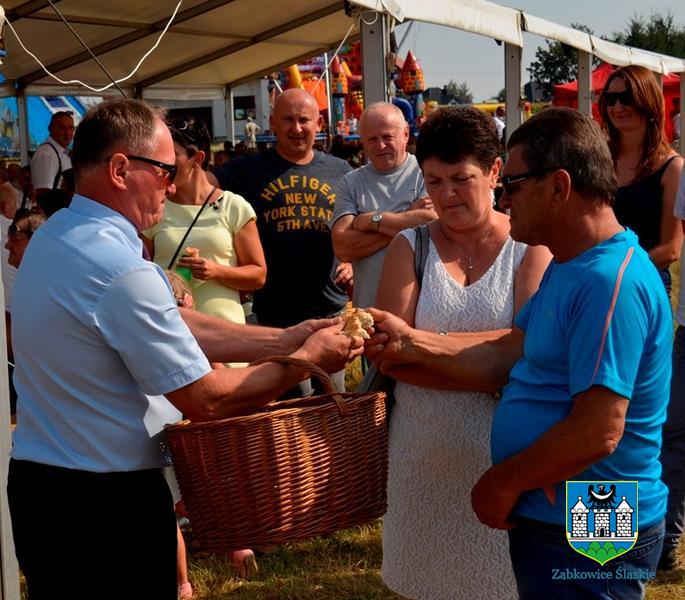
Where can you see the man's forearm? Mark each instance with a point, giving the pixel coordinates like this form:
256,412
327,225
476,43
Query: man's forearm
393,223
352,245
478,360
224,341
590,432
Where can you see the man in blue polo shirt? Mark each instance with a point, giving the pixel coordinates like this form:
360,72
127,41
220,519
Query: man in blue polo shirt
588,365
104,360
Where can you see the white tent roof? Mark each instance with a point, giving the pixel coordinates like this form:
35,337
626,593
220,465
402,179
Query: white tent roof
214,44
210,45
507,25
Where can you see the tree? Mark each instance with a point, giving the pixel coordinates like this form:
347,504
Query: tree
659,34
460,91
502,95
557,63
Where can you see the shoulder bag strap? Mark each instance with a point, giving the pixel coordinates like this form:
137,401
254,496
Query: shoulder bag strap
185,237
421,251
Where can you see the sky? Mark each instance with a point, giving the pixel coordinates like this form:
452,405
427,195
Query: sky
446,53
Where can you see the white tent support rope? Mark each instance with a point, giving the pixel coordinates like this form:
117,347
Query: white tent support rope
106,87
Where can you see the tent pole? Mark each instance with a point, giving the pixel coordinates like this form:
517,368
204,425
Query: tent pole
327,74
23,118
585,92
512,87
9,568
230,124
374,30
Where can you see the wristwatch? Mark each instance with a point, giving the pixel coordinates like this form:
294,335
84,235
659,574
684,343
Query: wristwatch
376,220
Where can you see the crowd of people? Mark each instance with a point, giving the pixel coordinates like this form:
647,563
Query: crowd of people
533,346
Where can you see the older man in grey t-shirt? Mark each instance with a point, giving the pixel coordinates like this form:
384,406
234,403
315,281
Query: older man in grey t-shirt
378,200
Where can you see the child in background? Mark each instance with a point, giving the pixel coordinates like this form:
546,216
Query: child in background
243,560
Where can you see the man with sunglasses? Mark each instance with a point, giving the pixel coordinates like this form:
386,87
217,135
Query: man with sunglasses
52,158
586,367
104,360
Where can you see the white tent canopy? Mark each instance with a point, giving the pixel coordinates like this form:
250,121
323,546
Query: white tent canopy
211,44
507,25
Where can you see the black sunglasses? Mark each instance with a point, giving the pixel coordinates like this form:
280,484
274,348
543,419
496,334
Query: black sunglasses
169,170
625,97
510,180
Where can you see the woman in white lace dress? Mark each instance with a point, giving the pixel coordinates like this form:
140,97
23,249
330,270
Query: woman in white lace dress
476,278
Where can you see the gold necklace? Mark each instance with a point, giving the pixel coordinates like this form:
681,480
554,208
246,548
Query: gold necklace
469,259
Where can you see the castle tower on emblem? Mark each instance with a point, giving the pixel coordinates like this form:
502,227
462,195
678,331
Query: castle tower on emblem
602,522
624,519
579,514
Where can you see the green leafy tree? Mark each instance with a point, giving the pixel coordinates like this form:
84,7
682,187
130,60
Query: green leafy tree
556,63
658,34
460,91
502,95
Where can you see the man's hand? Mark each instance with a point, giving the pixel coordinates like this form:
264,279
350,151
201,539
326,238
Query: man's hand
330,348
493,498
201,268
344,277
293,337
424,202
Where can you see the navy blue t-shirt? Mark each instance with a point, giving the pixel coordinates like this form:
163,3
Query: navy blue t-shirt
294,204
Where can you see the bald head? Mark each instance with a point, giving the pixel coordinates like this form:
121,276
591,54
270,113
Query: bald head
295,96
384,134
295,122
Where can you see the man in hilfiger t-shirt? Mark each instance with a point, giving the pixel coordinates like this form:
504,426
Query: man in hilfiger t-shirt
292,189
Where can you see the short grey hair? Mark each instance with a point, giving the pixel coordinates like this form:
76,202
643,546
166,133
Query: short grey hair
380,108
563,138
115,125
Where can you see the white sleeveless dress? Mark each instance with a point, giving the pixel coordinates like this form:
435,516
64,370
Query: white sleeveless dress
434,547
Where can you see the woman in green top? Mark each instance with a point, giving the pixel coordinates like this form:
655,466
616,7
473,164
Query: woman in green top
224,230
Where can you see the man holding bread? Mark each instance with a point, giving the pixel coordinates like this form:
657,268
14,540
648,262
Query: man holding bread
106,359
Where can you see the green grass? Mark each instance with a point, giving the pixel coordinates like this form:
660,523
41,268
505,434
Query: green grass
343,566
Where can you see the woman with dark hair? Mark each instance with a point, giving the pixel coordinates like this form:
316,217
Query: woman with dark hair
212,236
648,169
221,253
476,278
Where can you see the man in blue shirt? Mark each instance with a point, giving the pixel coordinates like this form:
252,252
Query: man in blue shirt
105,360
587,364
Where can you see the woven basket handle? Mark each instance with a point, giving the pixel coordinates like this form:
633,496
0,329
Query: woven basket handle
313,369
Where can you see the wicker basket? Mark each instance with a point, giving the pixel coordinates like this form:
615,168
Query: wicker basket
297,469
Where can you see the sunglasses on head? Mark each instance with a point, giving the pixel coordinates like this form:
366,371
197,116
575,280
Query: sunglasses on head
625,97
192,132
13,230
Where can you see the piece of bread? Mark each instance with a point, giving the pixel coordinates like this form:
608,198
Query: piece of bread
356,322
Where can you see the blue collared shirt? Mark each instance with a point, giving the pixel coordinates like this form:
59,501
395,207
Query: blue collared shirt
97,340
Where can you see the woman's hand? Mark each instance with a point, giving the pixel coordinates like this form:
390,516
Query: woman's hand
201,268
388,342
